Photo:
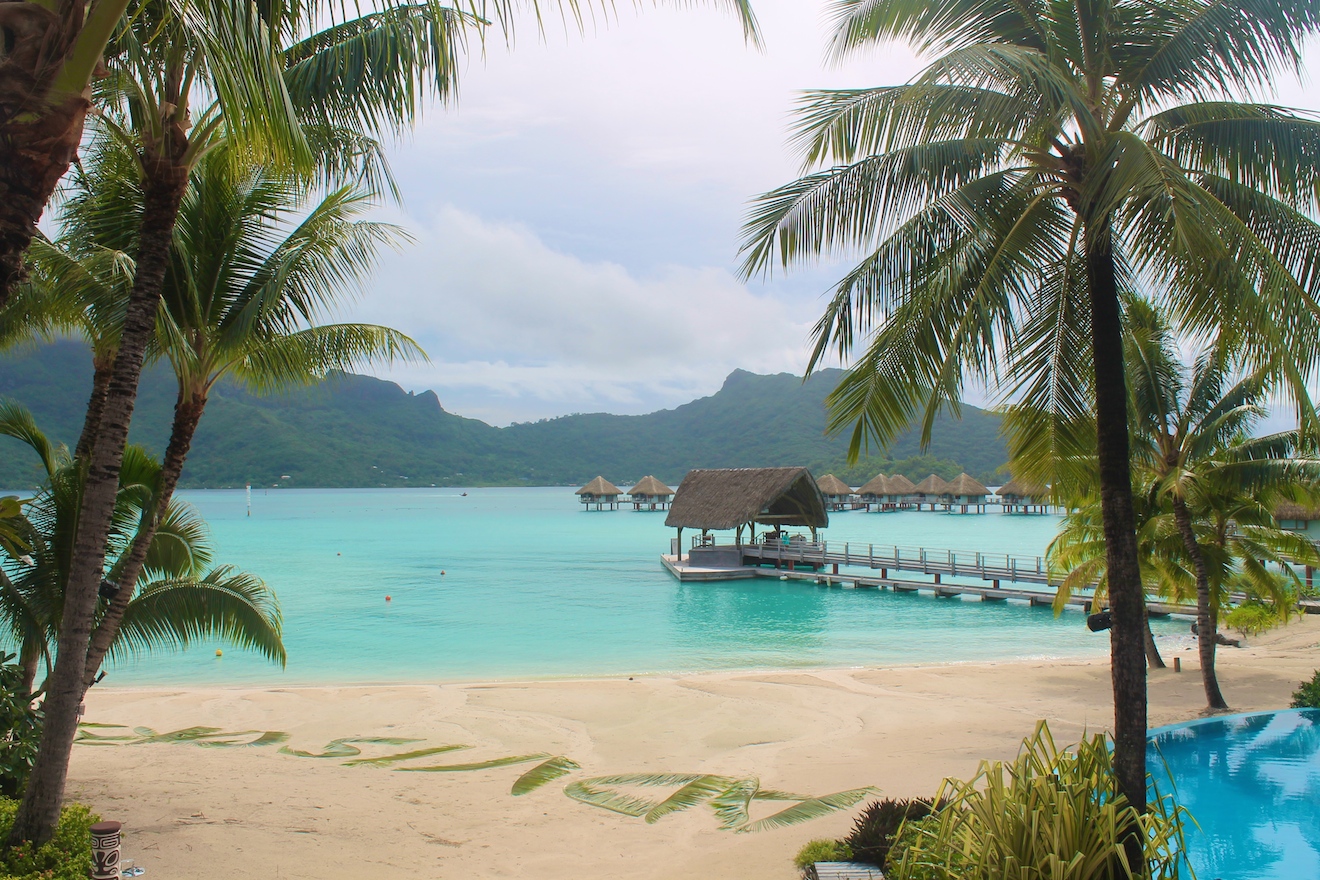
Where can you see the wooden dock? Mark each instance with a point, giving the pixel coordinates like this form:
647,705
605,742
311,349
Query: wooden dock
818,563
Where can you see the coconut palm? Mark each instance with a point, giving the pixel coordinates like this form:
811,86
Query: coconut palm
1191,432
253,58
178,597
255,265
1051,156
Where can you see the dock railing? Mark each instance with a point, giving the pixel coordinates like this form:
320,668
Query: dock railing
955,563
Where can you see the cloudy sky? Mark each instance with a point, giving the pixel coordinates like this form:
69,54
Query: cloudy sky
576,213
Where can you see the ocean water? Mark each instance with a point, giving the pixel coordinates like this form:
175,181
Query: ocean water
521,583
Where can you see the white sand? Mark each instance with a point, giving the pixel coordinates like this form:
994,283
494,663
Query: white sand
192,812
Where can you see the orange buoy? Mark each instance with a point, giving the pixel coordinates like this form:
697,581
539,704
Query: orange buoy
219,653
387,598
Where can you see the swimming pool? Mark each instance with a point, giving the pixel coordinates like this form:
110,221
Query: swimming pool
1252,783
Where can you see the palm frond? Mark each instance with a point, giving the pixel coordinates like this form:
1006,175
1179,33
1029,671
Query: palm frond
545,772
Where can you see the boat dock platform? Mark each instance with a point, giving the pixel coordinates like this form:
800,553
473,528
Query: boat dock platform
820,564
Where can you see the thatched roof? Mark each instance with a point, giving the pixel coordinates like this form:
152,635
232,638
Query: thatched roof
600,486
1016,488
964,485
832,485
932,485
730,497
649,485
901,485
1289,510
877,485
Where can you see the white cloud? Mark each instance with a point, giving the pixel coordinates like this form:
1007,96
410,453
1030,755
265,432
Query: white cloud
518,330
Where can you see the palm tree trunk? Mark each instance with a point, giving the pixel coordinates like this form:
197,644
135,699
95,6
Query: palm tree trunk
187,414
165,181
30,658
1206,630
1153,658
1126,594
95,409
34,153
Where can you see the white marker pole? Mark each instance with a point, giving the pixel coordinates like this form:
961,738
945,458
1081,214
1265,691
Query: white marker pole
249,498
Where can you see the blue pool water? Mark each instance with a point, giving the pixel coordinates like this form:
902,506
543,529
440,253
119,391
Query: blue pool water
533,586
1252,783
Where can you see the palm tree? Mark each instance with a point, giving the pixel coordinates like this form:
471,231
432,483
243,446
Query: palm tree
1039,166
254,58
255,264
177,597
1192,439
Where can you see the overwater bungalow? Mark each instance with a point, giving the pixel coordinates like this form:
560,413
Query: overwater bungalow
600,492
838,494
1305,520
1019,496
901,490
965,493
741,499
929,491
875,492
650,494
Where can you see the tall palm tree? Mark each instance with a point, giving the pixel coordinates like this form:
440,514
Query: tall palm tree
380,67
175,599
1040,165
255,265
1191,430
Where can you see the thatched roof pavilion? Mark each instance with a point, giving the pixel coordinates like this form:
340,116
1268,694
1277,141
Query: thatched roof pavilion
733,498
650,494
965,486
600,492
1291,512
964,492
901,485
932,485
875,488
1024,497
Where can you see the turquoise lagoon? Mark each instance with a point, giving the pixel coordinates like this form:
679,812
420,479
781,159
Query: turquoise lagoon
521,583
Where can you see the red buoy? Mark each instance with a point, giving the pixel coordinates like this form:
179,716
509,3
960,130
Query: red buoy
387,598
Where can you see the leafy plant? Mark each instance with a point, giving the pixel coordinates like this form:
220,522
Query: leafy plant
66,856
1252,618
20,728
873,831
1308,695
1050,813
820,850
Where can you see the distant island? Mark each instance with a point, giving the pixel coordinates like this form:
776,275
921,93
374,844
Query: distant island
358,431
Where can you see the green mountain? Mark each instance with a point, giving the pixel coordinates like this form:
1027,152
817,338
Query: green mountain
359,431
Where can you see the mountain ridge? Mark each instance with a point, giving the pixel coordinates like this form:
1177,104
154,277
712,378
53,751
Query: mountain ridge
361,431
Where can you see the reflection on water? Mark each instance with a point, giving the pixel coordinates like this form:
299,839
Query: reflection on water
1252,783
507,583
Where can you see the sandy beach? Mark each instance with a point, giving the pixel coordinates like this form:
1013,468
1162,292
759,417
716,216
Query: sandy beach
193,812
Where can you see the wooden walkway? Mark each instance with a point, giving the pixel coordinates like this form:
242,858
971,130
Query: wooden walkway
821,564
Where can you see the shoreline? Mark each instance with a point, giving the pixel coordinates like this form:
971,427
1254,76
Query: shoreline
252,810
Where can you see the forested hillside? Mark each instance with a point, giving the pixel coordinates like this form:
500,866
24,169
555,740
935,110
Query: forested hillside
360,431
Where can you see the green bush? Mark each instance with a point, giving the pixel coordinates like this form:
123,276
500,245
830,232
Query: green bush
20,729
66,856
1252,618
873,832
1308,695
821,851
1049,813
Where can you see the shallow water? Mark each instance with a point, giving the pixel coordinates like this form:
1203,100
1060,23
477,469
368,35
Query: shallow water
513,583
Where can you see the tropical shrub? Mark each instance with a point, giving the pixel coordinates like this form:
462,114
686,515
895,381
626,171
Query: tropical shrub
66,856
20,728
873,832
1050,813
1308,695
820,851
1253,617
